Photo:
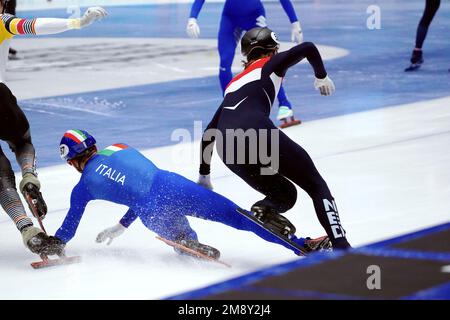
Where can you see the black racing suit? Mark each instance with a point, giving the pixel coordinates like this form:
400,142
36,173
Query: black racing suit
15,130
246,105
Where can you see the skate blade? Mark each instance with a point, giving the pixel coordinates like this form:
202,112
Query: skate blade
290,124
55,262
192,252
412,67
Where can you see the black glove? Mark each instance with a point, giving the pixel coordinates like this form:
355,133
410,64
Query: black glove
53,246
40,243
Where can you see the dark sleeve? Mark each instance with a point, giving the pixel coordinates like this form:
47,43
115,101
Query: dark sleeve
282,61
207,143
78,201
196,7
128,218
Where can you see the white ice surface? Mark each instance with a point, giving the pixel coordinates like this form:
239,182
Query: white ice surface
389,170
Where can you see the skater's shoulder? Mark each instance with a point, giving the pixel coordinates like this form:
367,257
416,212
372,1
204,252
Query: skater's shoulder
114,149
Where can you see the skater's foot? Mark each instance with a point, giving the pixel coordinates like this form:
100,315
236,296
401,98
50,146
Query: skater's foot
273,221
284,113
416,60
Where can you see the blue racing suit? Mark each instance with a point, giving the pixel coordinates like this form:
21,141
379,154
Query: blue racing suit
239,16
159,198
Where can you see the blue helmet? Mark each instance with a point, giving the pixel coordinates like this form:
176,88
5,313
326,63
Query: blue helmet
75,142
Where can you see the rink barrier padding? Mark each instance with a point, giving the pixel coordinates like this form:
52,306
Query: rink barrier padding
412,266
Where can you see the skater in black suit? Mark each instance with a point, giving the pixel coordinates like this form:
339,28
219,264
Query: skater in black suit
245,110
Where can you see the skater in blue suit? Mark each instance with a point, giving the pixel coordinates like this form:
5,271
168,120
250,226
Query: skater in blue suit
159,198
237,17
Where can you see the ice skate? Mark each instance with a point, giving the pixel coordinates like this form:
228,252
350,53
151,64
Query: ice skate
286,116
273,221
416,60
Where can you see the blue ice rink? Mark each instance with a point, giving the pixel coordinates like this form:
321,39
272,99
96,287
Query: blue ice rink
370,77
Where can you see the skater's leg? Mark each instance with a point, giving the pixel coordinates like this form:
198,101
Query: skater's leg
280,193
25,153
283,99
227,47
9,198
194,200
297,165
285,112
431,7
169,224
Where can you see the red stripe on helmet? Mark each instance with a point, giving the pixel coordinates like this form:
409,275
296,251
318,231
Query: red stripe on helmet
72,137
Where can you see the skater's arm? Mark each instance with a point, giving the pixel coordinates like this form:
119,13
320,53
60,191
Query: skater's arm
43,26
128,218
289,9
196,8
207,143
281,62
78,201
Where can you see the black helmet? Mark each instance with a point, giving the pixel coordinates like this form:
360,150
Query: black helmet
259,38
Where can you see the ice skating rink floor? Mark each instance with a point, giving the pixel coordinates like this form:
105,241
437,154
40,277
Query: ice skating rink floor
382,143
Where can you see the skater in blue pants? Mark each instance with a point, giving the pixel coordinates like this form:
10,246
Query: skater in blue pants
159,198
237,17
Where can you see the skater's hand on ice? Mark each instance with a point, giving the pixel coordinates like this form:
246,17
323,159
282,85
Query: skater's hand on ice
205,181
110,233
325,85
192,28
296,32
92,14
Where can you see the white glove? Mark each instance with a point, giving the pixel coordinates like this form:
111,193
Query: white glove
205,181
92,14
296,33
192,28
110,234
325,85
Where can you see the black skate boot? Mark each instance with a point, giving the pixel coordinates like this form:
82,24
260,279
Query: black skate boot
318,244
40,243
35,201
416,60
197,247
273,221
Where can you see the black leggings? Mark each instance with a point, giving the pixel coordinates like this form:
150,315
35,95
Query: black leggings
15,130
431,7
280,193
